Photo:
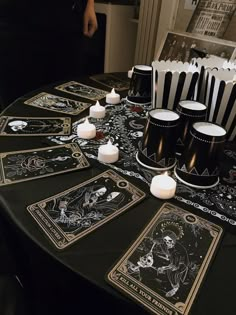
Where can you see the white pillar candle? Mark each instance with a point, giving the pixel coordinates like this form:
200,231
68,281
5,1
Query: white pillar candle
113,97
97,111
86,130
163,186
108,153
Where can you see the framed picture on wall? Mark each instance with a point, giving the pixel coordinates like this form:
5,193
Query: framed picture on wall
212,17
183,46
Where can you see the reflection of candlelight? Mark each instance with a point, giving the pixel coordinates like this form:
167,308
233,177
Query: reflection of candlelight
108,153
163,186
86,130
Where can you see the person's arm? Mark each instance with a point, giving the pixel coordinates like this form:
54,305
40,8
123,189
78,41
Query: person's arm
90,20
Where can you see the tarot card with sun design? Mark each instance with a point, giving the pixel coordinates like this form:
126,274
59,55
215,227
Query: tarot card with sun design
26,165
165,266
57,103
72,214
82,90
34,126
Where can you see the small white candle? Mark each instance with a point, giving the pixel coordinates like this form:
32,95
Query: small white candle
108,153
130,73
113,97
86,130
97,111
163,186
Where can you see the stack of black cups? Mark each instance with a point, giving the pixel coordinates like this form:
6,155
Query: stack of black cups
185,141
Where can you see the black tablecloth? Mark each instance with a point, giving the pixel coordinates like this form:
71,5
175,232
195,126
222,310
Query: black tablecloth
73,280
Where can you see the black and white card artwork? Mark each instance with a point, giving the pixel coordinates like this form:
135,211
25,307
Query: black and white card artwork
34,126
82,90
32,164
72,214
57,103
165,266
111,81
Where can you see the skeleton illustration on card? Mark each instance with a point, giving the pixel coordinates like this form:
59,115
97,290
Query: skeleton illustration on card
111,81
57,103
82,90
34,126
70,215
165,266
32,164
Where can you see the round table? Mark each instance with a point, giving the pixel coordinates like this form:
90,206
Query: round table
73,280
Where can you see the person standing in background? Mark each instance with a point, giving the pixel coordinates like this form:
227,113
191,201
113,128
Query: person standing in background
41,43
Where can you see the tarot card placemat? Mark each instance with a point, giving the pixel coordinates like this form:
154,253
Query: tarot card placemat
34,126
32,164
57,103
70,215
165,266
111,81
82,90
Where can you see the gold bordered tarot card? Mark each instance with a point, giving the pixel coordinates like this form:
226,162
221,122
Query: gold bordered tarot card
72,214
26,165
165,266
111,81
34,126
57,103
82,90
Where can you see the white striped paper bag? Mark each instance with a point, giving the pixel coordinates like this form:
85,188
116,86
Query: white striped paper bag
173,81
221,99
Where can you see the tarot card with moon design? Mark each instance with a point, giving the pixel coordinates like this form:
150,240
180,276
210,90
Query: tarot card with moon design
26,165
72,214
82,90
165,266
57,103
34,126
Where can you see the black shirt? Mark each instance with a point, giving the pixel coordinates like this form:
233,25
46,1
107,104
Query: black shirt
48,14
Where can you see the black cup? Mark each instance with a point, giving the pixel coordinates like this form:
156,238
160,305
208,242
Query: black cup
157,148
189,112
198,165
140,85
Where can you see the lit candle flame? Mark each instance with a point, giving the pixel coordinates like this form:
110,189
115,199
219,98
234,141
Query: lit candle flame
109,142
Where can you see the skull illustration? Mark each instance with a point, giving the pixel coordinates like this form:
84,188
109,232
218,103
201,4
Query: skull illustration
146,261
137,134
170,243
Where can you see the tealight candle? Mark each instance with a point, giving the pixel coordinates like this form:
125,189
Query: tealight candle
163,186
108,153
97,111
86,130
113,97
130,73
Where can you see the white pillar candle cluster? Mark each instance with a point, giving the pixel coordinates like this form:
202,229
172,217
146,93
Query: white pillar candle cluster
97,111
86,130
113,97
163,186
108,153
